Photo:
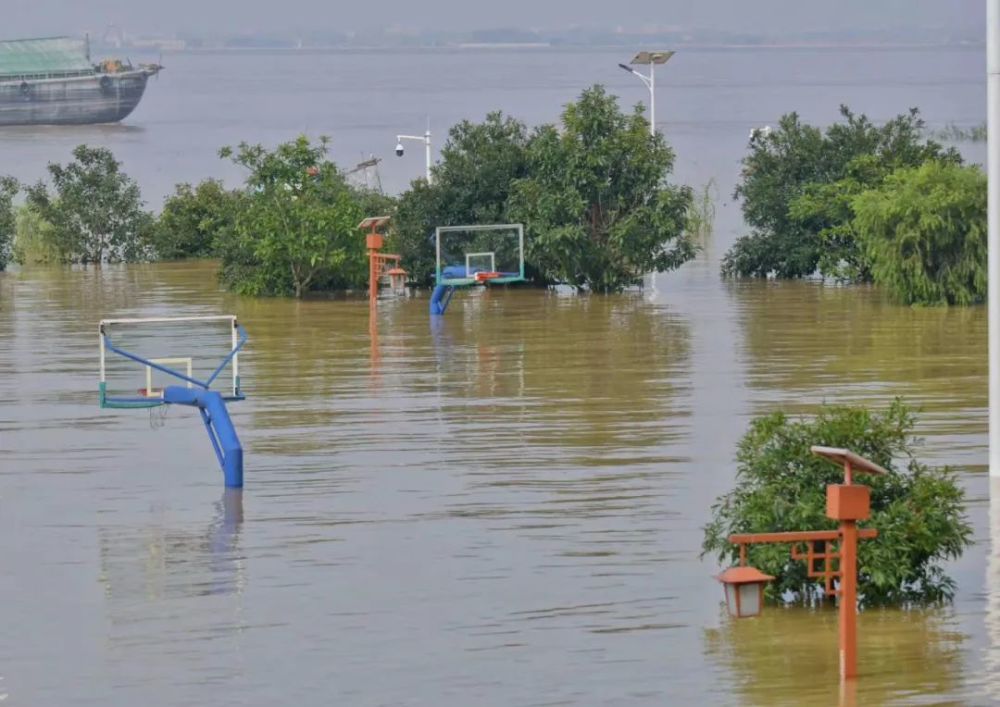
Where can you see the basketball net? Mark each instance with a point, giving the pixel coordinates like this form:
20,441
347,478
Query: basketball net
158,417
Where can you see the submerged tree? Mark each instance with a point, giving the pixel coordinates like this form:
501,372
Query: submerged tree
35,241
780,486
296,223
598,210
797,184
8,190
924,233
472,183
192,219
95,210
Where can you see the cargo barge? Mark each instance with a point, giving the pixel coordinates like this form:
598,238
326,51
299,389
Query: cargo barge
51,81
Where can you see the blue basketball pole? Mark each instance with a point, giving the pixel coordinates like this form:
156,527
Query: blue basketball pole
440,298
220,428
211,404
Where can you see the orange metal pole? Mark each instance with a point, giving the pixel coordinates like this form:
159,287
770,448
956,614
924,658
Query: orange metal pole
794,536
848,600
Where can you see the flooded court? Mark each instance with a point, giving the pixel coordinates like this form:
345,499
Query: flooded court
500,507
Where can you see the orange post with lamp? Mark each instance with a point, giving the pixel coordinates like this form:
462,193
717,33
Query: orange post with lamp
378,262
847,503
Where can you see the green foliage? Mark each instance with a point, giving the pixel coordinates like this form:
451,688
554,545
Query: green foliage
917,510
471,184
924,232
598,211
701,214
797,184
192,218
8,190
827,210
956,133
35,241
296,223
96,209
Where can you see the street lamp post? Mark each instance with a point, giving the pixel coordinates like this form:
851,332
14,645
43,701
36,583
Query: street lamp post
426,139
848,503
652,59
993,228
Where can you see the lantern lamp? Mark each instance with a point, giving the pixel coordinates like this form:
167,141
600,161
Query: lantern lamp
397,280
744,588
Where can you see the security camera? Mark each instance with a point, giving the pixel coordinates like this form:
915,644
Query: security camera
399,149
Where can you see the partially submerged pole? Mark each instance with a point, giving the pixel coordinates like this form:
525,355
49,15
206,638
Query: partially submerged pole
220,428
993,167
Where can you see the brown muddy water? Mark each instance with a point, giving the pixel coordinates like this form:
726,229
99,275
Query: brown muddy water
502,509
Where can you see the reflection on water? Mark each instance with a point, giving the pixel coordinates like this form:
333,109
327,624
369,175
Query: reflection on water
812,341
790,656
78,134
159,562
991,590
498,506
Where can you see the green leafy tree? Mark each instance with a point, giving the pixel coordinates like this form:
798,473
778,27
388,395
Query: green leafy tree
296,224
796,188
599,213
8,190
95,211
924,232
826,209
35,241
192,218
780,486
471,184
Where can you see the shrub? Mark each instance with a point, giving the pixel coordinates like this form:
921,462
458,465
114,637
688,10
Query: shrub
780,486
924,233
191,219
35,241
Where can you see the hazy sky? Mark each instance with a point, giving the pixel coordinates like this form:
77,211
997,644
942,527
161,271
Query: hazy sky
47,17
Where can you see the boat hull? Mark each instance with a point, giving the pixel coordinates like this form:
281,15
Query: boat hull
78,100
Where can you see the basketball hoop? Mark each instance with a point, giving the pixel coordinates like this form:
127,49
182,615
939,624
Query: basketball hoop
158,417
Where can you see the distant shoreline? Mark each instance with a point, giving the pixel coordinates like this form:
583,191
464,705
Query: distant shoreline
538,46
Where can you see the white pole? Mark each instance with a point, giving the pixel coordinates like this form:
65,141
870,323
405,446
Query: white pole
993,594
437,255
652,98
100,341
993,242
427,147
235,340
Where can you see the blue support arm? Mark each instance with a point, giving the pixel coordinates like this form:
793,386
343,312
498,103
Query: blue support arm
219,425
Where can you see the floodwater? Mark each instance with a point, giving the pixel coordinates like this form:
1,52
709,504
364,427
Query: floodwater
503,507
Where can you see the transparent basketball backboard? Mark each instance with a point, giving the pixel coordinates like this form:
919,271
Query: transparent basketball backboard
140,357
479,253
